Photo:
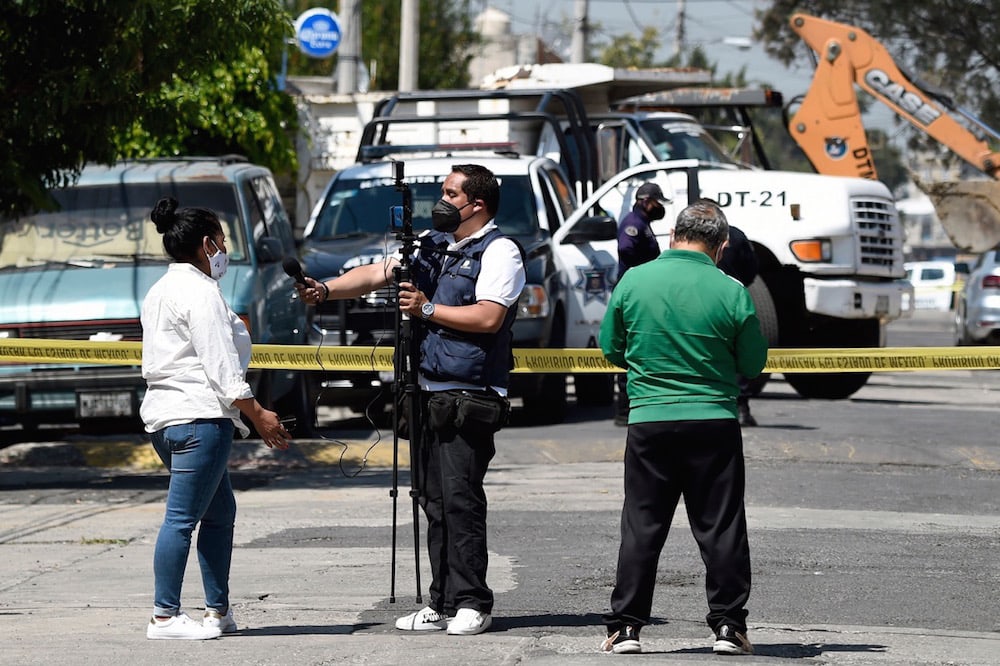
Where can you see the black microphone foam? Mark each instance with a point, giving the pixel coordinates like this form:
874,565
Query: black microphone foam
293,269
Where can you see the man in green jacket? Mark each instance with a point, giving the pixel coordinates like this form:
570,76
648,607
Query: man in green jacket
683,330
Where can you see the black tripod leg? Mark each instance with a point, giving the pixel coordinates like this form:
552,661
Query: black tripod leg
416,434
394,494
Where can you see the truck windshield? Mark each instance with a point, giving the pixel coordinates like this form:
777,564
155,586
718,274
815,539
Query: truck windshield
673,141
357,207
101,225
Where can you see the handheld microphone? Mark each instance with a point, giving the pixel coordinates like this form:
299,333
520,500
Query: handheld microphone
294,270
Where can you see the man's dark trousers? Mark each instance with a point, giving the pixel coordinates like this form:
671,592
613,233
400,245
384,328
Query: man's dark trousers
453,467
703,462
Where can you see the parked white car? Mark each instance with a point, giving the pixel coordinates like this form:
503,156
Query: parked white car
977,309
933,284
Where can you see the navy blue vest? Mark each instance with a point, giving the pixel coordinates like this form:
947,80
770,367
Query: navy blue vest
484,359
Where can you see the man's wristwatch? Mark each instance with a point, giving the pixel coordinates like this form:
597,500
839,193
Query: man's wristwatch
427,310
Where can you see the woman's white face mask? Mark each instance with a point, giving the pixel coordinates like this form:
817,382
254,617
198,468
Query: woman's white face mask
218,262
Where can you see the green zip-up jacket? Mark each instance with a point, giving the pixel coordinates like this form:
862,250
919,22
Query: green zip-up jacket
683,330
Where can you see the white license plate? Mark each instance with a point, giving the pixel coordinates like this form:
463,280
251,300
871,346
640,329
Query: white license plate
95,404
882,304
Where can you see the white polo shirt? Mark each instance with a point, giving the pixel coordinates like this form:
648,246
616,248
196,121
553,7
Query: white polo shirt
195,352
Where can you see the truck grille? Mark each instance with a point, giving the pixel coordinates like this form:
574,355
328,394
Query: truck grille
370,319
129,329
880,241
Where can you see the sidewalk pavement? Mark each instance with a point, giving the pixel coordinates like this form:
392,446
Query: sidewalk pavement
76,582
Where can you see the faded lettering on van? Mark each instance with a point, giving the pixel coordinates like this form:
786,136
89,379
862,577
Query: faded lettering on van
89,233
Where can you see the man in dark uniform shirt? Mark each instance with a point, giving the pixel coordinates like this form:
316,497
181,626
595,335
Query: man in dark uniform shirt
637,245
740,261
636,242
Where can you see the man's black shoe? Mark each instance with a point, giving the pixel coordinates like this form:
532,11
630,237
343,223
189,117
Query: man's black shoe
623,641
730,641
746,418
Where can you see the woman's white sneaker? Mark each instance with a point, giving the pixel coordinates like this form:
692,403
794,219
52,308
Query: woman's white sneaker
468,622
226,623
180,627
425,619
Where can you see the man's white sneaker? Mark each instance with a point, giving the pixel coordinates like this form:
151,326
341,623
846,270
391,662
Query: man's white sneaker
468,622
226,623
425,619
180,627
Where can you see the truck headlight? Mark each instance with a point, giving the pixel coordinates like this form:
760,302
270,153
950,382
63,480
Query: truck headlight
814,250
534,302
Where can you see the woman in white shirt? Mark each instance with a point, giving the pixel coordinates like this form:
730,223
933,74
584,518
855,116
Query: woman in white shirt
194,360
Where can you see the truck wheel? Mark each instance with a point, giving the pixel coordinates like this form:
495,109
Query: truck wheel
768,316
544,403
961,335
836,333
299,402
831,386
597,390
547,404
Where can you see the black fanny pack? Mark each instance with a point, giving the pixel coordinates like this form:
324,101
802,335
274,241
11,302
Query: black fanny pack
476,411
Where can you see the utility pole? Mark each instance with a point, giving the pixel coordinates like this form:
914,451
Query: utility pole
581,27
350,46
409,44
679,38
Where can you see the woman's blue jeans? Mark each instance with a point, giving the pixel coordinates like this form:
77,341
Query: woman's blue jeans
196,454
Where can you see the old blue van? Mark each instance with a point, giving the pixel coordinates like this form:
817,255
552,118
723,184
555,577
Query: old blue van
81,273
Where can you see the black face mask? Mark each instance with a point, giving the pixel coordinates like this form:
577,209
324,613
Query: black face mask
656,212
446,217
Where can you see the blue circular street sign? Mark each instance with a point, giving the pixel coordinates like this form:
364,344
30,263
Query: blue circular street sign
317,32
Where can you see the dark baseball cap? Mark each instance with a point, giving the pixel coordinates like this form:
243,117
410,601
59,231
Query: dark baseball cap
650,191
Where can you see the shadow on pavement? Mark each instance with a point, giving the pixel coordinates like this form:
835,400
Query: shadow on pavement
305,630
791,650
110,480
508,622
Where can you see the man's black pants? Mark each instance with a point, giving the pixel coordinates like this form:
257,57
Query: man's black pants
453,466
703,462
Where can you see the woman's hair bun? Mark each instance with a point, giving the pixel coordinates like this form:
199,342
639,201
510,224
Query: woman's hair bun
164,214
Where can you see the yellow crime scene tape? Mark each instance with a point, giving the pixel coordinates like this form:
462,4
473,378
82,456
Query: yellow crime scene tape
308,357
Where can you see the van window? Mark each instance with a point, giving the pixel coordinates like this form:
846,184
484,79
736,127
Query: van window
269,213
104,224
362,206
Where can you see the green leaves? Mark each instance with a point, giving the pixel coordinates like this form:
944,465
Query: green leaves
95,80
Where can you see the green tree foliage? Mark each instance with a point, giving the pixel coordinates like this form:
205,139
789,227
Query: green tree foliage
447,42
630,51
231,108
951,44
76,75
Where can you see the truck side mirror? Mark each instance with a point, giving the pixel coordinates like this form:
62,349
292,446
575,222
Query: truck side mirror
592,229
269,250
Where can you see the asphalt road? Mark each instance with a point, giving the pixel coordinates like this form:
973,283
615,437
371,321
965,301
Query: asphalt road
874,526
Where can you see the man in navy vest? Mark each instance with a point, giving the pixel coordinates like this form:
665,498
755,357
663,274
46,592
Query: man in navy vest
466,280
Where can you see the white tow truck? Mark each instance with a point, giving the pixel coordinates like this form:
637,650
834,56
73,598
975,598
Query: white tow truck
830,248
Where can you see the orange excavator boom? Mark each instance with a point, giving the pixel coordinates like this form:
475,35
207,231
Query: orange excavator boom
848,56
828,127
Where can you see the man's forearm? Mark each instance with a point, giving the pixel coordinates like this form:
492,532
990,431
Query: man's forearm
360,280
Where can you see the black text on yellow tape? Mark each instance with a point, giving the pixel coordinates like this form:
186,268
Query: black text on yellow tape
574,361
70,351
